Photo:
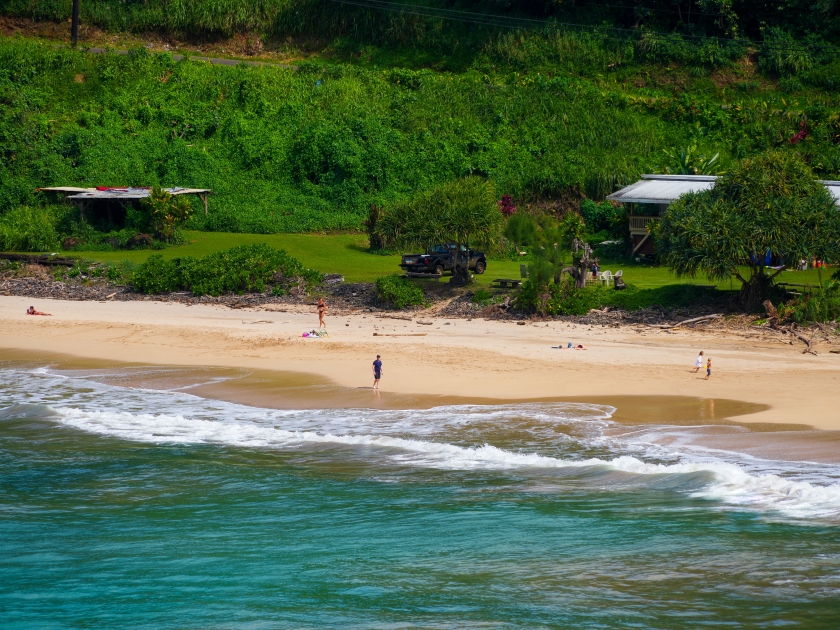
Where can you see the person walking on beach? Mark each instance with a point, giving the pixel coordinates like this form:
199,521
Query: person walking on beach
322,309
698,363
708,369
377,372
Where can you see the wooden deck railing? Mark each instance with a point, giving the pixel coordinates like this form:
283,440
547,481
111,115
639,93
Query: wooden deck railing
639,224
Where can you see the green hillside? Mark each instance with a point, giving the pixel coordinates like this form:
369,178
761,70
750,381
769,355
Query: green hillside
550,116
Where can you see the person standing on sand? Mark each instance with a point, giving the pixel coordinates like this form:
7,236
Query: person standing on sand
708,369
698,363
322,309
377,372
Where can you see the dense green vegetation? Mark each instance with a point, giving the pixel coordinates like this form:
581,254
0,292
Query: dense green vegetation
547,117
245,268
424,29
399,292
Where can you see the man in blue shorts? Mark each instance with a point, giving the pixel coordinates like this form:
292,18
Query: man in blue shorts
377,372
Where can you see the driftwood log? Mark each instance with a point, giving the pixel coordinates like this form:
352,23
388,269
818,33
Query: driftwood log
687,321
40,259
790,330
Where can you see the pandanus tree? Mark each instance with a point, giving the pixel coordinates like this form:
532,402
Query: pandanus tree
464,212
546,239
770,206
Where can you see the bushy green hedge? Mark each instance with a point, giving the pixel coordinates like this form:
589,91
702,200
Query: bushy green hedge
157,275
26,229
557,299
241,269
399,291
246,268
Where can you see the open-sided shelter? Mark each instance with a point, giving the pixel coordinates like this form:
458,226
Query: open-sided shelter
113,202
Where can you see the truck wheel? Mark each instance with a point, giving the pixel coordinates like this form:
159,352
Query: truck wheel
480,266
439,270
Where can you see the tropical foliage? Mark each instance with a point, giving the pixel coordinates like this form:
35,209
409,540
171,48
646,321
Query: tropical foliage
241,269
28,230
167,212
399,292
464,212
312,149
768,209
662,26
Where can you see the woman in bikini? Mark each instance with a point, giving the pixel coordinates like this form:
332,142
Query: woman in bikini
322,308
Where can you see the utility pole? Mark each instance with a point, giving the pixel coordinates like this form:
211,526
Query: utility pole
74,25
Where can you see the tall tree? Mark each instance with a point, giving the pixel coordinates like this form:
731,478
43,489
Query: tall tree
771,205
464,212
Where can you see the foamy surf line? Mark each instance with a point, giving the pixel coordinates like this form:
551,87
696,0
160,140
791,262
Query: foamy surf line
726,482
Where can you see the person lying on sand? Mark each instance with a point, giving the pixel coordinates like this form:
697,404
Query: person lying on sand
31,311
580,346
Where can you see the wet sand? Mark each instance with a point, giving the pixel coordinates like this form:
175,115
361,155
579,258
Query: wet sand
681,421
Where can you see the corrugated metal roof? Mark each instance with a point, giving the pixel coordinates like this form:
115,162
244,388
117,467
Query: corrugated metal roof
834,189
662,188
65,189
132,193
668,188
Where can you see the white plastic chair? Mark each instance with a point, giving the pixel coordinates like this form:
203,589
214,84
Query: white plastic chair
618,273
606,276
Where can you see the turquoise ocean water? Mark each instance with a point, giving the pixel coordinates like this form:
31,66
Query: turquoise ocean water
138,508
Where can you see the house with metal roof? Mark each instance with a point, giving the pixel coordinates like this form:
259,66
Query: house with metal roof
649,197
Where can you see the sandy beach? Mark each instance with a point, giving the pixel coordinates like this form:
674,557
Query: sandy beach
451,360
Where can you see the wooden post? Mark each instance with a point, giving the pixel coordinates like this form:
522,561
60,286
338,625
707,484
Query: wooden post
74,26
203,197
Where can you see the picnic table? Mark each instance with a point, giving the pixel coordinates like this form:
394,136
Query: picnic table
507,282
417,274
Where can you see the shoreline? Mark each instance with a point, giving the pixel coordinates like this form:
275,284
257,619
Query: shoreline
455,361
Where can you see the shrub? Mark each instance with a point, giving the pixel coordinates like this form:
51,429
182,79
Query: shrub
823,306
482,297
240,269
558,299
157,275
399,291
120,272
597,216
243,268
26,229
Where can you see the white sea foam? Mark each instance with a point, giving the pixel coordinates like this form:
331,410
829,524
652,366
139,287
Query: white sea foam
722,481
422,438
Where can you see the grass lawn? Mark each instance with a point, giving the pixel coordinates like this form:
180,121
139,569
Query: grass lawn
347,254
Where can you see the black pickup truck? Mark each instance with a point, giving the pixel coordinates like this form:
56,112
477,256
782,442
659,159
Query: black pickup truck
439,258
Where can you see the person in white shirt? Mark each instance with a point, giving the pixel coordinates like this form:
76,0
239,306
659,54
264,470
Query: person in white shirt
698,363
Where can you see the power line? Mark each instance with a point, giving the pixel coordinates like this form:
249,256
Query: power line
517,23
